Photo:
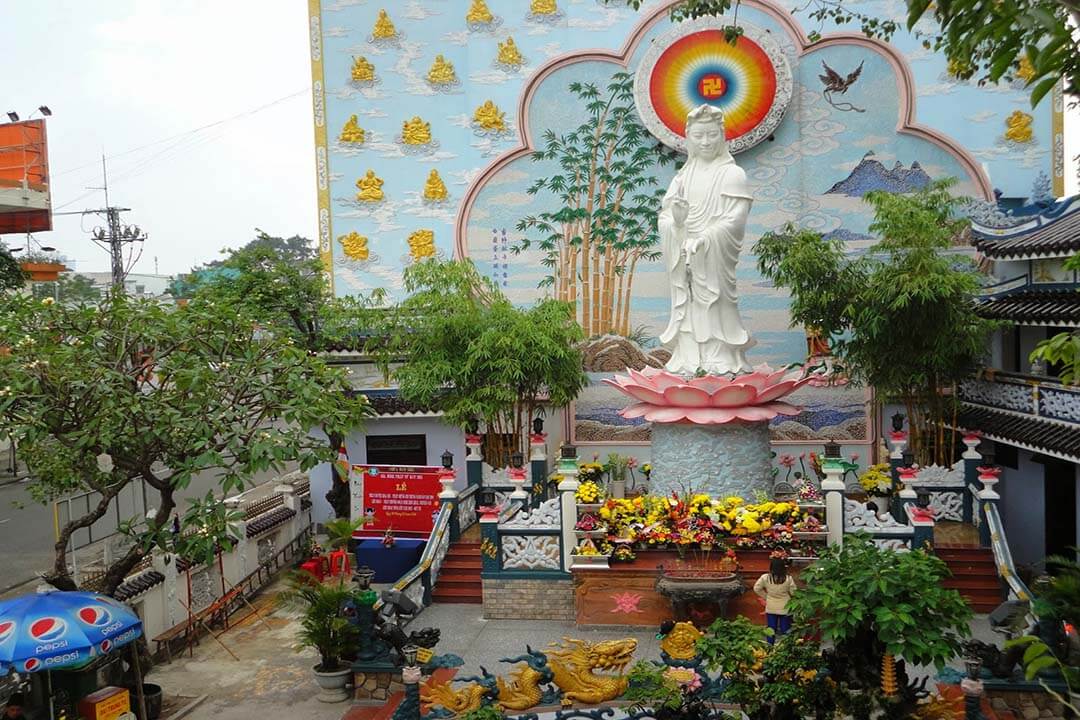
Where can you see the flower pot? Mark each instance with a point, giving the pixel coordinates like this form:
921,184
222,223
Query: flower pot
152,696
43,271
333,684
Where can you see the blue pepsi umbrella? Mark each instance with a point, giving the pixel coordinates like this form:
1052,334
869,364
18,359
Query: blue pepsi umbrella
52,630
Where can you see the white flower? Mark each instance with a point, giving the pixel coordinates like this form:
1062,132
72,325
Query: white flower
105,462
47,301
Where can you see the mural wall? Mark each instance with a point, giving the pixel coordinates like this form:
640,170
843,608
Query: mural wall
482,129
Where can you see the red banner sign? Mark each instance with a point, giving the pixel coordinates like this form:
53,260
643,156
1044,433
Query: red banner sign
401,498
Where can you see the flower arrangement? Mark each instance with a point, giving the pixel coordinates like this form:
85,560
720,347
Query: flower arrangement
588,493
587,547
588,523
808,492
591,472
698,520
877,480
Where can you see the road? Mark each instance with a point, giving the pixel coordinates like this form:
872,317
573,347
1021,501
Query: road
27,535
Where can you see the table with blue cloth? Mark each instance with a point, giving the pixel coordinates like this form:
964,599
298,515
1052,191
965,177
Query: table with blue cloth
389,563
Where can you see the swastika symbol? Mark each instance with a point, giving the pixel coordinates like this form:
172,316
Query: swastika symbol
713,87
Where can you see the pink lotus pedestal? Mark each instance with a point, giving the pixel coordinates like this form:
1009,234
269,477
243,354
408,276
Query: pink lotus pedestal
710,434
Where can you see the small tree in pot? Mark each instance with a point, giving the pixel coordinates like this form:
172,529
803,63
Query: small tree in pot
324,628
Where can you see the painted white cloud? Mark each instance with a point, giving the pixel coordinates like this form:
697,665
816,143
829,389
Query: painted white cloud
496,76
339,5
463,177
1028,157
416,11
458,37
511,198
336,32
414,205
981,116
372,112
873,141
551,49
603,18
415,84
946,88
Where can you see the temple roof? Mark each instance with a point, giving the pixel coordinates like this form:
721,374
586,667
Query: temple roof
1054,233
389,403
1029,432
1035,307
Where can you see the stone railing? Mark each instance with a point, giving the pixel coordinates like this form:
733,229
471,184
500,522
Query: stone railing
947,490
416,584
522,542
1027,394
886,531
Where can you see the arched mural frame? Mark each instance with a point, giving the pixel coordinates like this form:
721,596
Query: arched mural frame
906,123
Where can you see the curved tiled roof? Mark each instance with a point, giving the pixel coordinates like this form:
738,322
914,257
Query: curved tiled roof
1055,237
268,521
1030,432
1043,307
139,584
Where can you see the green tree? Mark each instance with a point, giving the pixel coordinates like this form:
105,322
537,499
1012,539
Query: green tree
70,288
607,191
1064,348
1027,39
286,291
867,601
907,326
98,397
457,343
12,276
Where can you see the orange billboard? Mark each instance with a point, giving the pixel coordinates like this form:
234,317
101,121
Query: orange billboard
25,205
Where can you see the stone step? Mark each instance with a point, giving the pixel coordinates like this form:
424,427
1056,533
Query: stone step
471,595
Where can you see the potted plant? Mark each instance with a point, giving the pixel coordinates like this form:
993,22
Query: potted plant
880,609
324,628
42,267
586,554
672,693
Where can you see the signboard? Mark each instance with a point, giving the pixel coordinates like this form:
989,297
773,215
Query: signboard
109,703
25,205
401,498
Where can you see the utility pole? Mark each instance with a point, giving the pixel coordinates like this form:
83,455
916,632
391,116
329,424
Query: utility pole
113,237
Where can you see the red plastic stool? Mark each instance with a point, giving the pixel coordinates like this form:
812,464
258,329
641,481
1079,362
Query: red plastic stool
315,567
339,562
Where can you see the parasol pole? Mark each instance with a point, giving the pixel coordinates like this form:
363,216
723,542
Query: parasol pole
48,682
139,694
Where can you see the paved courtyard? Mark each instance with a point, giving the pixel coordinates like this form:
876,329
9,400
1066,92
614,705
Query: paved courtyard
272,682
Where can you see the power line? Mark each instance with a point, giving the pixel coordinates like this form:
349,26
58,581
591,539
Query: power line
199,129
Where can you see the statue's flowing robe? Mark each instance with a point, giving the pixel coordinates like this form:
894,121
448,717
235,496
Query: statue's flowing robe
705,330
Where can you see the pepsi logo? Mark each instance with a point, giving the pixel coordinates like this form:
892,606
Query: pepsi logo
31,665
95,616
105,646
7,629
48,629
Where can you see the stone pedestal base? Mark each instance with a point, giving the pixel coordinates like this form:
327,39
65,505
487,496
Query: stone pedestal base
720,460
376,687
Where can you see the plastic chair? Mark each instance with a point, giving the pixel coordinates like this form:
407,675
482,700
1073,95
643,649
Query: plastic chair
339,562
315,567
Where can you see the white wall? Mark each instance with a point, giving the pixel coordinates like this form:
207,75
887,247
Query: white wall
440,437
1023,509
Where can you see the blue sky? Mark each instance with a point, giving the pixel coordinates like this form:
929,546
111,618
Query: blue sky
128,73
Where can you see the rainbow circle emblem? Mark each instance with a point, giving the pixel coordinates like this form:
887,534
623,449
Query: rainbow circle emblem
692,64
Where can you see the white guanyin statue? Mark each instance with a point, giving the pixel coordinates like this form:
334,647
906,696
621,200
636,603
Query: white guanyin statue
702,222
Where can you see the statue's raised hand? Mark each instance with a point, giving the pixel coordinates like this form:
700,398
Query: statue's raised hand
680,208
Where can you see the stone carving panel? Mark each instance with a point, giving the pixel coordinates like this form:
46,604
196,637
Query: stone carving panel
547,516
467,511
1059,404
531,552
442,546
938,476
266,549
895,544
1006,396
858,517
947,505
202,590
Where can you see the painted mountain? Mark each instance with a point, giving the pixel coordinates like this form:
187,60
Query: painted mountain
871,175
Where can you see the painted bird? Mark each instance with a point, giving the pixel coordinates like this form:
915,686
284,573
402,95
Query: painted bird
834,82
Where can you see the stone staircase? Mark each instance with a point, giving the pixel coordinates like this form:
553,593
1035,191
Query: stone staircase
459,577
974,575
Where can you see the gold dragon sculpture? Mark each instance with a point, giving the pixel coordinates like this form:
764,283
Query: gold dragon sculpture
571,666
